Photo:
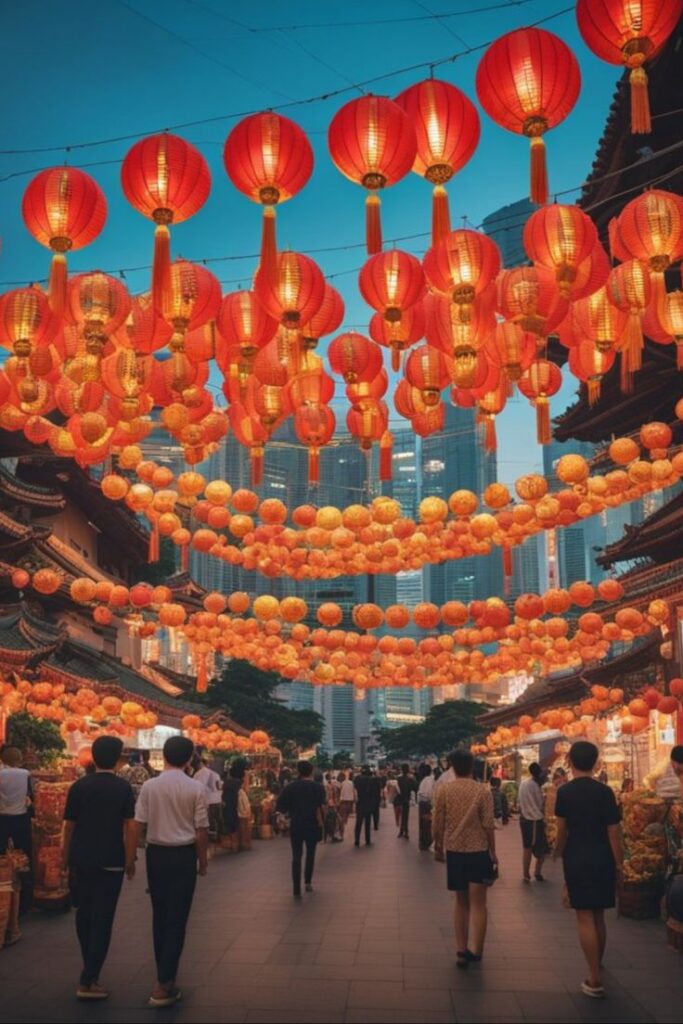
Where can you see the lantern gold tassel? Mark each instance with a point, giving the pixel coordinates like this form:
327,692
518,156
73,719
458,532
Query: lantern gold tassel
507,562
625,375
633,342
386,448
640,103
314,465
490,439
269,243
57,285
543,420
539,171
396,359
256,454
161,266
593,390
373,225
441,215
184,558
153,552
679,353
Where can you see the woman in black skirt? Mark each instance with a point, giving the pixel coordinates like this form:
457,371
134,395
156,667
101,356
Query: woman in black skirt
589,840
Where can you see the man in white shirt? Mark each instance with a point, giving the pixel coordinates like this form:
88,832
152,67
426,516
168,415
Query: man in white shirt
16,796
347,798
174,808
532,822
211,781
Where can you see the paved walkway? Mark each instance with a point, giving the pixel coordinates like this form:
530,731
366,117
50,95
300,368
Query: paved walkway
372,944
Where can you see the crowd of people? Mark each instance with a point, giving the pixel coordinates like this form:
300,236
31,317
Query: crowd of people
121,806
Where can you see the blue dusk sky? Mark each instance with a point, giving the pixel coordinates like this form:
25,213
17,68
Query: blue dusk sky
77,72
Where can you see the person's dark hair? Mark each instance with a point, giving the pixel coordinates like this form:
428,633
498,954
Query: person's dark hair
178,751
106,751
677,754
365,770
341,777
462,762
583,755
535,770
305,769
450,758
405,768
559,773
135,758
238,768
12,756
495,782
427,770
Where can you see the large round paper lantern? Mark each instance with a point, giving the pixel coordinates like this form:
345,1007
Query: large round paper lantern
650,229
530,297
26,321
629,288
528,82
590,364
539,382
166,179
294,292
243,321
447,131
391,282
426,370
398,335
560,238
353,356
193,297
372,142
327,318
64,209
462,266
628,33
314,426
269,159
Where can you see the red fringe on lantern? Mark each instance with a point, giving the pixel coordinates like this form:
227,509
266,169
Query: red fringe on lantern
314,465
441,214
396,355
640,103
679,353
625,375
594,390
202,674
57,286
507,569
490,439
539,172
269,243
373,225
543,435
153,552
256,455
386,449
161,266
633,343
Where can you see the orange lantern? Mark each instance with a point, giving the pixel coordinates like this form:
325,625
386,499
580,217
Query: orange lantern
560,238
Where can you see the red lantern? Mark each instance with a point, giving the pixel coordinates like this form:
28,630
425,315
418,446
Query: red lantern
664,323
426,370
627,32
398,335
243,321
370,388
312,388
462,266
528,82
529,296
327,319
250,433
372,142
294,293
192,298
143,330
368,423
490,405
560,238
166,179
391,282
460,342
447,130
542,380
64,209
408,401
26,321
511,348
650,229
430,421
628,287
590,364
269,159
352,355
599,319
314,426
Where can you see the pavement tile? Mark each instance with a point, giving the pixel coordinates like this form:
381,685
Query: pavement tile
390,997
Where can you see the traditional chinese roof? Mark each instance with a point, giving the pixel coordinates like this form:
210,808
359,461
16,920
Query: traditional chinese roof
26,639
555,690
186,591
15,490
659,537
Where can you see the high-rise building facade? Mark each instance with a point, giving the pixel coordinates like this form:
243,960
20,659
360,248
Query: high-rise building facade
505,227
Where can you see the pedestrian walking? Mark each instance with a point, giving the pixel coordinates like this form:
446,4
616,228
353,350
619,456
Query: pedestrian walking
407,786
98,845
532,823
211,781
425,794
377,791
589,842
303,800
230,795
394,796
448,775
501,811
464,828
347,796
16,806
173,807
367,799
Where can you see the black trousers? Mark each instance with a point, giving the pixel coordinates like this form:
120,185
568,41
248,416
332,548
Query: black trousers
375,816
363,817
405,814
171,876
308,838
17,827
94,893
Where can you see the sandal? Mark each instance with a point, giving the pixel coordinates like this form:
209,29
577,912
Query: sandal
593,991
462,960
473,958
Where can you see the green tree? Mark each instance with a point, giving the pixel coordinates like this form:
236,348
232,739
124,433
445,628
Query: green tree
446,726
38,739
159,572
247,694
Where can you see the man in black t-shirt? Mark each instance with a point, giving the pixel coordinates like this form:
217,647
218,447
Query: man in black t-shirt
98,846
407,785
303,800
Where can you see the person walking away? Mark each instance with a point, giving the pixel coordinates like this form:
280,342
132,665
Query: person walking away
394,796
332,788
211,781
366,799
425,793
98,845
448,775
532,823
244,815
377,790
501,812
406,787
347,795
589,842
231,789
303,800
16,808
173,807
464,827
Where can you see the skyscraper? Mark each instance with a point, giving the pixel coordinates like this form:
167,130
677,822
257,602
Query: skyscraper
505,227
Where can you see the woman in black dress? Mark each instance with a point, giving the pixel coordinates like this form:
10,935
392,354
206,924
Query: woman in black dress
589,840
